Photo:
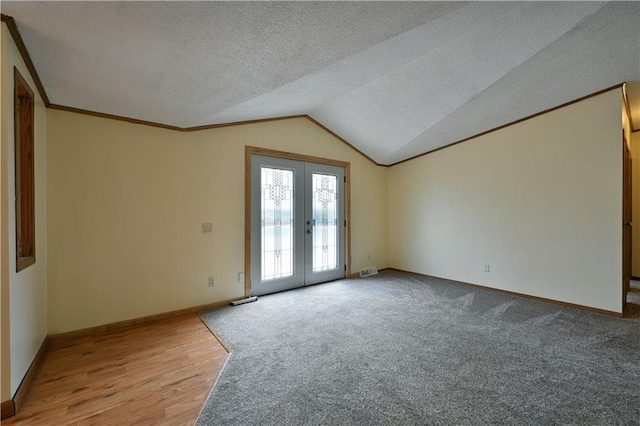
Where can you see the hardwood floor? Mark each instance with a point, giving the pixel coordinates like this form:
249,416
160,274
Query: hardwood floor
632,307
155,374
632,311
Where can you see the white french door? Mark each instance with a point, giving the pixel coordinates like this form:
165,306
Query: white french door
297,224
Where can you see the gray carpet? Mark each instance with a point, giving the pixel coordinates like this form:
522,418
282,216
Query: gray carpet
402,349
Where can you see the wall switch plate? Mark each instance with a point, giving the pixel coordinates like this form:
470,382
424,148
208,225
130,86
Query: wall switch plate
212,281
487,268
207,228
240,277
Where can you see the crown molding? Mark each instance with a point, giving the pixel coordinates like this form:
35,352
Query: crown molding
13,29
343,140
17,38
529,117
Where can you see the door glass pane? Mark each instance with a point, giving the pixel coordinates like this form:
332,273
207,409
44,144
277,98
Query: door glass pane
325,222
277,223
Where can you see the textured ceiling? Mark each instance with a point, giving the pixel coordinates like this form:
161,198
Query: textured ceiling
395,79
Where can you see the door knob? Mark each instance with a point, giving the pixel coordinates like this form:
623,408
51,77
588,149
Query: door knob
308,231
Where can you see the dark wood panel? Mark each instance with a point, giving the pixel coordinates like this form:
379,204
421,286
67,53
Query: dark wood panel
24,133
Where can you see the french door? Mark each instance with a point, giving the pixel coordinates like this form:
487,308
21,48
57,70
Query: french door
297,224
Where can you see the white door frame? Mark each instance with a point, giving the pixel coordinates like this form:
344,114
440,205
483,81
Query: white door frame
249,151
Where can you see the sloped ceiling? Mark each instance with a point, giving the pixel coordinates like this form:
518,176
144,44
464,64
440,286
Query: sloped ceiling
395,79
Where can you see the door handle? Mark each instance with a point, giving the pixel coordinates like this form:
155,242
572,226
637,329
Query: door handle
308,231
627,224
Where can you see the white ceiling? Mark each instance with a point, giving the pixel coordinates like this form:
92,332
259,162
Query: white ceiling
395,79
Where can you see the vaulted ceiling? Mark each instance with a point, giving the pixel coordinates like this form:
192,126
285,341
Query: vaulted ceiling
395,79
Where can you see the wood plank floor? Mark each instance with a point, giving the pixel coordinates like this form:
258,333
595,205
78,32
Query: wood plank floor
632,311
154,374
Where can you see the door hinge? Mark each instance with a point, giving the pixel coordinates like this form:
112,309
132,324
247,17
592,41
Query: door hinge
345,223
345,268
345,179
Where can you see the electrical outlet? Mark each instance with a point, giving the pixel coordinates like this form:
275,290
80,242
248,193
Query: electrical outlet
487,268
207,228
212,281
368,257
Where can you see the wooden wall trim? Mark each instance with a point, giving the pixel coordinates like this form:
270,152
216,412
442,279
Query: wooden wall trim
166,126
292,156
17,38
7,409
250,150
23,389
625,99
326,129
12,407
209,126
206,127
247,220
529,117
241,123
24,144
347,215
139,321
13,29
343,140
114,117
523,295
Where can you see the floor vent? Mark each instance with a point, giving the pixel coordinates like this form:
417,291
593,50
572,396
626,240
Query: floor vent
369,271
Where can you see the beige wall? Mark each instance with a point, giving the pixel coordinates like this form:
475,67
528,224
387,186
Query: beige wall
540,202
635,187
28,288
127,202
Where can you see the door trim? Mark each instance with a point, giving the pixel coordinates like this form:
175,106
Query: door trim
250,150
627,220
